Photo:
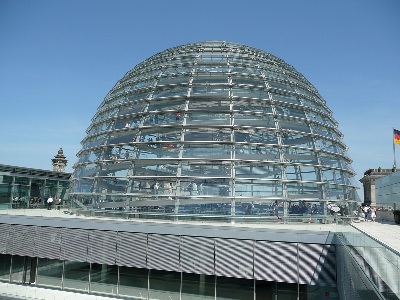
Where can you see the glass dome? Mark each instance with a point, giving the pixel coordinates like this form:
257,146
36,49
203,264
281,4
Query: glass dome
213,128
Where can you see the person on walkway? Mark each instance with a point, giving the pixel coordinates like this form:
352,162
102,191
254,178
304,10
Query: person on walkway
373,213
156,187
194,188
58,203
170,190
49,202
190,188
366,210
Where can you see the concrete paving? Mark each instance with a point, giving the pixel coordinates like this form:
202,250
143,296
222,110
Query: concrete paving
385,232
272,223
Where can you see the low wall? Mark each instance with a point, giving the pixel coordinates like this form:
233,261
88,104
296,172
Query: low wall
384,215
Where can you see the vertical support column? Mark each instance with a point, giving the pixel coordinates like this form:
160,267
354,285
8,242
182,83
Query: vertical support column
202,284
232,142
29,193
13,192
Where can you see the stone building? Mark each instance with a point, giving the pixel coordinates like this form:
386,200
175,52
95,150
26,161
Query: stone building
59,161
368,182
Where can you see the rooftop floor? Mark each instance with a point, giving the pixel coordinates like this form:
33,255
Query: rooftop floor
385,232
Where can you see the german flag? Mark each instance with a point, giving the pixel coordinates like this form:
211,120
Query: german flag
396,136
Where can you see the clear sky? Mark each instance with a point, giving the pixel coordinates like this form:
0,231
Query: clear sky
58,60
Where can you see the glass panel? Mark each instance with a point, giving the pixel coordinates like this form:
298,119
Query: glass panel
50,272
306,190
6,179
87,171
112,185
195,286
251,81
167,92
287,291
76,275
303,173
258,188
164,285
5,195
21,180
305,156
216,187
103,279
250,93
208,135
247,105
23,268
258,171
21,192
209,104
255,208
207,151
210,89
133,282
289,138
209,170
173,80
5,265
265,290
209,119
285,98
294,125
235,288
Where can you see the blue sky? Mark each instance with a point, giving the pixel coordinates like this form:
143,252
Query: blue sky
58,60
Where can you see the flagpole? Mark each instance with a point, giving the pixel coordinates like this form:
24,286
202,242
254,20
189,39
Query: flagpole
394,152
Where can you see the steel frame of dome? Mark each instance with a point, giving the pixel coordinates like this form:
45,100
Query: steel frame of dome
221,129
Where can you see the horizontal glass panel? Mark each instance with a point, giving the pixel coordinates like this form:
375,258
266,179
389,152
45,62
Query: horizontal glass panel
210,89
307,190
171,91
248,81
76,275
170,104
303,173
257,170
258,188
247,105
132,108
294,125
207,151
247,92
164,285
234,288
133,282
207,79
208,118
154,168
173,80
207,135
83,186
111,185
290,111
209,104
103,279
197,287
21,180
49,272
205,169
285,98
298,140
210,187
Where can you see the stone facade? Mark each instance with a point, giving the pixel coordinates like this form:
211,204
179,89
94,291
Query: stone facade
368,182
